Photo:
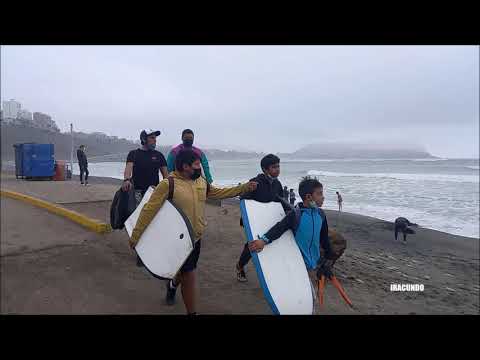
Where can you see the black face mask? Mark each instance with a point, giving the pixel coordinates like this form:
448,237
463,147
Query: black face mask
196,174
188,142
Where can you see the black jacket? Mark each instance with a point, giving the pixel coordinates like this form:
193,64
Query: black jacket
268,190
82,158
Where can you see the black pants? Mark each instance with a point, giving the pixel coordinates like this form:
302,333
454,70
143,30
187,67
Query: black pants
83,170
192,260
245,257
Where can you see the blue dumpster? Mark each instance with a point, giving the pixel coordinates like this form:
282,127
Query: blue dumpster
34,160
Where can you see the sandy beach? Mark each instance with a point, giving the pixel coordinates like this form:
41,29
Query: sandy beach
50,265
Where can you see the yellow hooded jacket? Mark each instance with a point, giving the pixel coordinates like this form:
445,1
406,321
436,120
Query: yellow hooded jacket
190,196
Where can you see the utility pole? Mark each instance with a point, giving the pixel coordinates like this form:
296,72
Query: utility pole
71,153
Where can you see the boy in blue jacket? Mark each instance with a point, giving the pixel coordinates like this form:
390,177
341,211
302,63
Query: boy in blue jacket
309,225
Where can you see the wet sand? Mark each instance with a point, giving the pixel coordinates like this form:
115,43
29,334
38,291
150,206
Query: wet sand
50,265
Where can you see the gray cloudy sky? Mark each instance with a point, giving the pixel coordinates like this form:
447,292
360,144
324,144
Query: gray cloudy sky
267,98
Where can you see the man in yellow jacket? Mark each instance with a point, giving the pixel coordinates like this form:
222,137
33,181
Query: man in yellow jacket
190,194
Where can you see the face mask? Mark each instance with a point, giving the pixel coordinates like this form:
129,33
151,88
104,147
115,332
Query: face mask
196,174
152,146
188,142
313,204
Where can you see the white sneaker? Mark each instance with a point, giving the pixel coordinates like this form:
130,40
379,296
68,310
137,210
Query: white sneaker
241,276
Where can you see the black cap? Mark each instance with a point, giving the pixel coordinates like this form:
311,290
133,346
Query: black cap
151,132
144,135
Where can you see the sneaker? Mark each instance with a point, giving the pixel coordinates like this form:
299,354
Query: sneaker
86,184
241,277
171,291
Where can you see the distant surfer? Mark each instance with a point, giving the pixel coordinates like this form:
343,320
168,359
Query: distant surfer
339,201
189,195
403,225
269,189
292,197
143,167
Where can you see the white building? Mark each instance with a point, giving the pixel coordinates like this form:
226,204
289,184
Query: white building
24,114
10,110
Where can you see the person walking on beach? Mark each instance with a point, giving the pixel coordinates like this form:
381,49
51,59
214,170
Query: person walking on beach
339,201
292,197
269,189
83,164
405,226
143,167
285,193
189,195
187,143
310,228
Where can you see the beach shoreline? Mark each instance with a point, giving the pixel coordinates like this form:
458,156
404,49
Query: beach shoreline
114,181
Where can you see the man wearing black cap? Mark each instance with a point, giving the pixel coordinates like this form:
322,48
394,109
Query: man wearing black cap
143,166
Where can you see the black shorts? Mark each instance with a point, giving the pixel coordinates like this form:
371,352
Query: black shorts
192,260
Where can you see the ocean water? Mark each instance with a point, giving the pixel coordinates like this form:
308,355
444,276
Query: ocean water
438,194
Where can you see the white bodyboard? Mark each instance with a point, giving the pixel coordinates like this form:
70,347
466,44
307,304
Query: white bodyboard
166,242
280,267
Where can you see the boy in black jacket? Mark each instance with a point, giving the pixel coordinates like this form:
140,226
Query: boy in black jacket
268,189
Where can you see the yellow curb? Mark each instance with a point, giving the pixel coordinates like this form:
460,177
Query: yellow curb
83,220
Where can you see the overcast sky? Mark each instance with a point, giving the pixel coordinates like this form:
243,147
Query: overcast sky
264,98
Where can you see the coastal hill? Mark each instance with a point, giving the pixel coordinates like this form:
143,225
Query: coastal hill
357,151
104,148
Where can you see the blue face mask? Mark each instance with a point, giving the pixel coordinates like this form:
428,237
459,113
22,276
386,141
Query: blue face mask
152,146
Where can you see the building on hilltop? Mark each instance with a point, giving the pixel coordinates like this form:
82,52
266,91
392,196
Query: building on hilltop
11,109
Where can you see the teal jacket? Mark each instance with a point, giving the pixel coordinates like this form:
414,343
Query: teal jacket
203,159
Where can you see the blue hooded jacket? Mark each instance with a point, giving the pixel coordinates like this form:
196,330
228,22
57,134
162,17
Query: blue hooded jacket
310,230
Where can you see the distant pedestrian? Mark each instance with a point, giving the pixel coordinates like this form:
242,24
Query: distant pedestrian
83,164
285,193
292,197
339,201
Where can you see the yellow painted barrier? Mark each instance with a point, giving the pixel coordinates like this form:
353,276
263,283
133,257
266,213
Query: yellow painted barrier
81,219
